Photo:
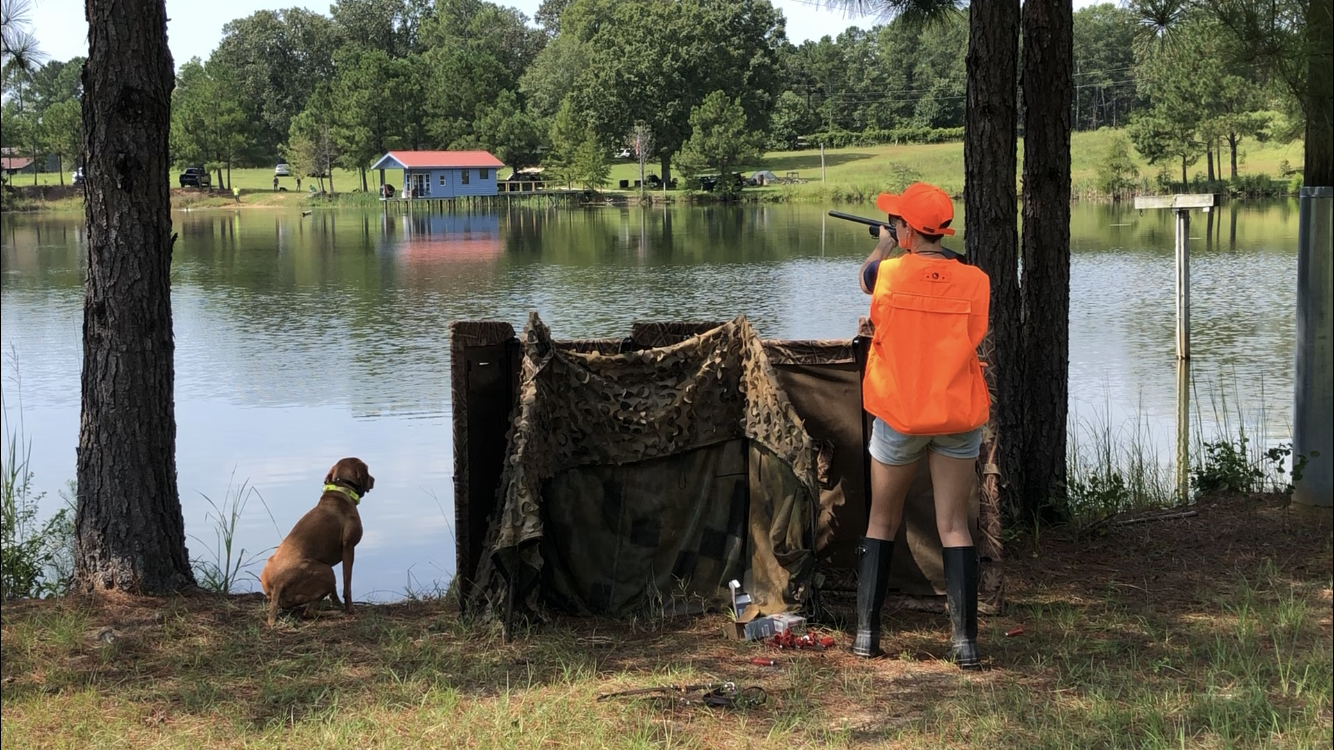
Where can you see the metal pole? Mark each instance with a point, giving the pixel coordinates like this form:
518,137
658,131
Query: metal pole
1183,430
1313,407
822,162
1183,284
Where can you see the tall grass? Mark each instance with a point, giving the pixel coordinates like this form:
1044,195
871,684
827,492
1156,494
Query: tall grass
221,573
1115,469
36,557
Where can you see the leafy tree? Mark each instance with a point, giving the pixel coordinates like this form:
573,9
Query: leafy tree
1117,174
1104,59
719,140
790,120
653,61
312,148
129,529
567,132
209,123
589,166
513,135
62,127
56,82
363,128
388,26
277,59
551,77
1162,136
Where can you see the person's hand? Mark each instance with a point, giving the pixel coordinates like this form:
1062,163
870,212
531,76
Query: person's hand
887,243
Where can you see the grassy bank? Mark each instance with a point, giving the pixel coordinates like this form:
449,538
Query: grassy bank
1207,631
851,175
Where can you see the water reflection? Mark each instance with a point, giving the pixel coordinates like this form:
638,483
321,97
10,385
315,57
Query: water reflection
301,339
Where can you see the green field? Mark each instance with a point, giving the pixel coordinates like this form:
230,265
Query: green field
851,175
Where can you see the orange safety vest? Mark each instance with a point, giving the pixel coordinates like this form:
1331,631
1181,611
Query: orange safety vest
922,375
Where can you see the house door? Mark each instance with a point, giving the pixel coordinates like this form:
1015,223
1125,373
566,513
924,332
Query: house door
421,185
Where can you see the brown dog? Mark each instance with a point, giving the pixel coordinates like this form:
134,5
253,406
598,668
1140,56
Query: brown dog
301,570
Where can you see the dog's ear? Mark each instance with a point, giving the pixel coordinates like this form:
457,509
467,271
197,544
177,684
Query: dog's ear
328,478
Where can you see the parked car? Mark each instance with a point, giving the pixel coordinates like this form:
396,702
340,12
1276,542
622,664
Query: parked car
195,177
282,170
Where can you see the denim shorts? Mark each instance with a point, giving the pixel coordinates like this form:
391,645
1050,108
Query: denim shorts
889,446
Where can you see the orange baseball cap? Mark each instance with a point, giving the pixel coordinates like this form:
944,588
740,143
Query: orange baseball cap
924,207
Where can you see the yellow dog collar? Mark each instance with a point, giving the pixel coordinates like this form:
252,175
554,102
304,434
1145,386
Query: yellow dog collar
356,499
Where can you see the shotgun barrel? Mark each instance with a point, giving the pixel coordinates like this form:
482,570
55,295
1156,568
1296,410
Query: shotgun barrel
874,224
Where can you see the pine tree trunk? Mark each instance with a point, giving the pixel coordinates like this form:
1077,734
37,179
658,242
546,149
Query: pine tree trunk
1048,86
129,532
992,241
1319,163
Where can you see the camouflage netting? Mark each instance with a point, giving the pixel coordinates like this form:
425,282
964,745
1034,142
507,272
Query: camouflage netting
650,476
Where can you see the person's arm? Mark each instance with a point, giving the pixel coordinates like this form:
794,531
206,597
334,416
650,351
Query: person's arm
882,250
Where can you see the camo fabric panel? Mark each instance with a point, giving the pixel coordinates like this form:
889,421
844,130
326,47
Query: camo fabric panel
620,539
585,409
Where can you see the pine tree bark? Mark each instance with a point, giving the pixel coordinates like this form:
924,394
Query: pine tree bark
992,242
129,531
1319,161
1048,85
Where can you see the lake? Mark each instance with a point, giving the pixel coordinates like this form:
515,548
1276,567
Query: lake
302,339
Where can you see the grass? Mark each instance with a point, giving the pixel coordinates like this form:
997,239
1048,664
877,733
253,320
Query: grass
1211,631
851,175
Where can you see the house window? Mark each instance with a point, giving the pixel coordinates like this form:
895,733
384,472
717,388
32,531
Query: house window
483,173
442,179
465,176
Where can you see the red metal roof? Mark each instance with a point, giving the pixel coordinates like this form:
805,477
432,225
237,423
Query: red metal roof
15,163
427,159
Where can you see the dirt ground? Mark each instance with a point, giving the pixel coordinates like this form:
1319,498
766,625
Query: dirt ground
1138,608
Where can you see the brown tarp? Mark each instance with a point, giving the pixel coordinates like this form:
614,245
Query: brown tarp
666,517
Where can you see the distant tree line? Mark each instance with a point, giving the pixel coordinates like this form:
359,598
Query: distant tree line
588,77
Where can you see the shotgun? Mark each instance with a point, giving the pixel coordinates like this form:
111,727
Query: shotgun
873,224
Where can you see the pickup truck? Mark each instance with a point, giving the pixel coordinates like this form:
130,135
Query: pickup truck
195,177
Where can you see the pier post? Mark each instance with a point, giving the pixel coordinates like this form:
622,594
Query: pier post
1181,205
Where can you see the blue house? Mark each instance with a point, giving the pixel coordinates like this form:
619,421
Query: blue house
442,174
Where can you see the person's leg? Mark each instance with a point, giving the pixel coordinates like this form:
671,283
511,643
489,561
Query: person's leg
894,462
953,476
952,481
889,490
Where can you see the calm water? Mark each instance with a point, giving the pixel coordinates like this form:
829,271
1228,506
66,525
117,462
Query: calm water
304,339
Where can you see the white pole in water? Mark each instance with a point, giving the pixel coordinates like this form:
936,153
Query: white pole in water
1183,283
1181,204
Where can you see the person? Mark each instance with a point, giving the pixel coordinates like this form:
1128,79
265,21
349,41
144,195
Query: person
298,183
275,183
923,385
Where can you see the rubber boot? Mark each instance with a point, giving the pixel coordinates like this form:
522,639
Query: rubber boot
872,580
961,591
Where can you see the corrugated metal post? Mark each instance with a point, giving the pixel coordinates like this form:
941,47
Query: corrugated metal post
1313,405
1183,283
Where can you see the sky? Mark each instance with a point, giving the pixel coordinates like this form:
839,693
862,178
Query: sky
194,27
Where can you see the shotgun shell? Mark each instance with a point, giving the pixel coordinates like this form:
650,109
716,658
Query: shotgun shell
763,662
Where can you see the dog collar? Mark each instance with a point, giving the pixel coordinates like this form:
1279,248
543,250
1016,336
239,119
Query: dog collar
356,499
